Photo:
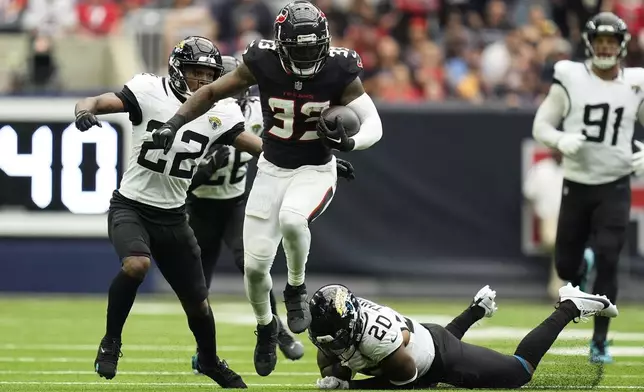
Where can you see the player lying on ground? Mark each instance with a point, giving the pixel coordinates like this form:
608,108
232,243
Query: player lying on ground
147,215
597,102
299,74
354,335
216,202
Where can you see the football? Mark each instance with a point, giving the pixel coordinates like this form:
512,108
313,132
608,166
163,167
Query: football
349,118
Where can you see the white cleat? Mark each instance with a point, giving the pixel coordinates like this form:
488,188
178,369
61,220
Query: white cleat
588,304
485,299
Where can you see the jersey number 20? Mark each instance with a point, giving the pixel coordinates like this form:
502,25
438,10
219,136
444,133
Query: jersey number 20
380,327
600,122
175,170
284,126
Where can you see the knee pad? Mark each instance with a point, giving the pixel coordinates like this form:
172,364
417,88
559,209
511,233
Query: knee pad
136,266
292,223
258,257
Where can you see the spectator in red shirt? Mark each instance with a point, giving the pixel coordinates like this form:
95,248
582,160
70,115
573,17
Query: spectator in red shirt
98,17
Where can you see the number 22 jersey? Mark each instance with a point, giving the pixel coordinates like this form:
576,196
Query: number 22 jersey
291,106
162,180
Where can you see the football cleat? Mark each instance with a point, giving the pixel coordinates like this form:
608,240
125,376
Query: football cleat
107,358
588,304
265,357
298,315
291,348
220,373
599,352
485,299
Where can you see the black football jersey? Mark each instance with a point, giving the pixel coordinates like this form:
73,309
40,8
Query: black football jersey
291,106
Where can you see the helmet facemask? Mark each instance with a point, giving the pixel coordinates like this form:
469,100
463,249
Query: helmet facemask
305,57
606,62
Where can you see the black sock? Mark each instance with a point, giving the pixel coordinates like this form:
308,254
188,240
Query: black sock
536,343
203,328
273,303
465,320
119,302
600,331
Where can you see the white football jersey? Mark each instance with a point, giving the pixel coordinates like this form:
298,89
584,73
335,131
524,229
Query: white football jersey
382,335
158,179
230,181
604,111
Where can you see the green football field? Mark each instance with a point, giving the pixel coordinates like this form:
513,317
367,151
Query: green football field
49,344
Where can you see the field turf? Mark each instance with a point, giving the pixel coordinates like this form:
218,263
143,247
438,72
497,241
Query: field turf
49,343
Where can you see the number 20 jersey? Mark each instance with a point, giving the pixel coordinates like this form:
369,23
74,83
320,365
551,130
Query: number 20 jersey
382,335
162,180
604,111
292,106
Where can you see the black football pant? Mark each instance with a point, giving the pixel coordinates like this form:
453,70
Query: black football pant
598,214
216,222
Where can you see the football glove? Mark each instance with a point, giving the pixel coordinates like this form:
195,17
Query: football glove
337,138
345,169
569,144
163,137
85,120
638,159
331,382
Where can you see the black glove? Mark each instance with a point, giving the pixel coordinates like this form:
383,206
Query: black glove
345,169
163,137
85,120
220,157
337,138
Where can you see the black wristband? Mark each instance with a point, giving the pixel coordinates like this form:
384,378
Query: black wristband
176,122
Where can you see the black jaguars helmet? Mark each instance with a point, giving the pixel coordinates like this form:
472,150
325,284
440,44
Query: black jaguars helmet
193,50
336,325
230,63
302,38
606,23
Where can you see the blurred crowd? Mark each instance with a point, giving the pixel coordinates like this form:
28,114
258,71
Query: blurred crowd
412,50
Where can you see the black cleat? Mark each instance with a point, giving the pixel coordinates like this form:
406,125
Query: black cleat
298,316
265,356
220,373
107,358
291,348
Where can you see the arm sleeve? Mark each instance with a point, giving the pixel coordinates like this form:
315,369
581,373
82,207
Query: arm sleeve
370,123
229,137
131,105
549,115
136,92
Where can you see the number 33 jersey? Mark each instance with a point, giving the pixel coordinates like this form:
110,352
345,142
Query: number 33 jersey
605,112
383,334
292,106
162,180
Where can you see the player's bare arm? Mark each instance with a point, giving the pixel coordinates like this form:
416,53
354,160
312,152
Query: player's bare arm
360,102
204,98
247,141
86,109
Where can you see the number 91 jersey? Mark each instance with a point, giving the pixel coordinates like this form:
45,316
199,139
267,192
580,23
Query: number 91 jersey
162,180
292,106
382,335
605,112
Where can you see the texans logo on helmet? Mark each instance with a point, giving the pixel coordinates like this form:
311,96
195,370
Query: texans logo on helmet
281,18
533,152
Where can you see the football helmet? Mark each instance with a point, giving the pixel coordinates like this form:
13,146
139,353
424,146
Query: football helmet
193,50
230,63
336,322
302,38
606,23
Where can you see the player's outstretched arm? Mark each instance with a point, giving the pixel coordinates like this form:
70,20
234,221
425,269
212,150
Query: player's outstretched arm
86,109
360,102
201,101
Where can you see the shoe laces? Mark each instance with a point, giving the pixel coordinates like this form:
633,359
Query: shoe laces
112,348
226,371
